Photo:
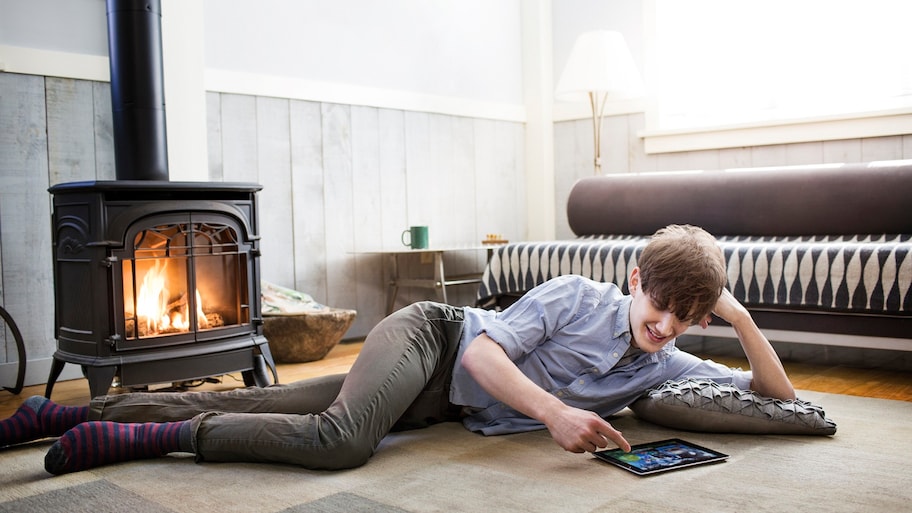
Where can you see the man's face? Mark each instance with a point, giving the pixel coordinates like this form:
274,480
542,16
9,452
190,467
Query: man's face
650,326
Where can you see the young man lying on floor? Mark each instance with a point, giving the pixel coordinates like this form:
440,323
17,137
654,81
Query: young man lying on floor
566,355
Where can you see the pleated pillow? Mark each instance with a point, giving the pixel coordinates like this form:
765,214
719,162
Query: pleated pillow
706,406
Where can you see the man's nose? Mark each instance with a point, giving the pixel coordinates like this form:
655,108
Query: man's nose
667,323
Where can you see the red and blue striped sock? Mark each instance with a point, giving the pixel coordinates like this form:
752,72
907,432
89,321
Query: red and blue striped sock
39,417
96,443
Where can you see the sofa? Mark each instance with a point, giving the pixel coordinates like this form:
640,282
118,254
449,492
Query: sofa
818,254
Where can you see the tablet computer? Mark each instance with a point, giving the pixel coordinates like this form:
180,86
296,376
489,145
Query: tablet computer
661,456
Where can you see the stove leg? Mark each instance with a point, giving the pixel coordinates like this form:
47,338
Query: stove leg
100,379
270,363
257,376
56,369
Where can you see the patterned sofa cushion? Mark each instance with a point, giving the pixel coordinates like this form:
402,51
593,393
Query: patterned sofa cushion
857,274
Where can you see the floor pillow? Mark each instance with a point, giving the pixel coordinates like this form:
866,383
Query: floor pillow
706,406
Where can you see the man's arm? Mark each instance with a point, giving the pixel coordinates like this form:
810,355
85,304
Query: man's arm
575,430
769,378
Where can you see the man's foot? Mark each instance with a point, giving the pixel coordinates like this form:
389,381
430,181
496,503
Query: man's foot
93,444
38,418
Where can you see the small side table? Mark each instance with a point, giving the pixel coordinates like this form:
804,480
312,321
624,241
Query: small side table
439,282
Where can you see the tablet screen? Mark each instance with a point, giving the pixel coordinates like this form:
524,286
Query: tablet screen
649,458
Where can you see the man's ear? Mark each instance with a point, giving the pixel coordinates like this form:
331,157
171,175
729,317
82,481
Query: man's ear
633,283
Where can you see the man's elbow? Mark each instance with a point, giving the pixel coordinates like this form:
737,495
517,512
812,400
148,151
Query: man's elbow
473,355
790,395
478,354
783,392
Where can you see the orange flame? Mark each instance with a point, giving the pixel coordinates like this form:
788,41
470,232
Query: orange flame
155,310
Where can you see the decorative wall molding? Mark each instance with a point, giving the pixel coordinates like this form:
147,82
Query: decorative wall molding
50,63
830,128
224,81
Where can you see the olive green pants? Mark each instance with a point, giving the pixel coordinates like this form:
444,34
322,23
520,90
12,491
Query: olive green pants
400,380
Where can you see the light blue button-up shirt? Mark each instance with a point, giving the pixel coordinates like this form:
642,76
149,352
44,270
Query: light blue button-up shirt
568,335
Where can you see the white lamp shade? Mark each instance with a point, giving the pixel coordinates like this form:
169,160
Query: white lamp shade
600,62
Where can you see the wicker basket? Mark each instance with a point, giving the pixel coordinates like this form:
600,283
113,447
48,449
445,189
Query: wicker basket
306,337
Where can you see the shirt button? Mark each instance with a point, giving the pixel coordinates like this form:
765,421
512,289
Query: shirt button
614,355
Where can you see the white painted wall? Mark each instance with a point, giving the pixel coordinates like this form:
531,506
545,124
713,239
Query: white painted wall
73,26
467,49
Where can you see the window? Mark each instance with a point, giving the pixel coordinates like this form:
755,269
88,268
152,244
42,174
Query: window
734,62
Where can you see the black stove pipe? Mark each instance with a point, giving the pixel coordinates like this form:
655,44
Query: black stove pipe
137,89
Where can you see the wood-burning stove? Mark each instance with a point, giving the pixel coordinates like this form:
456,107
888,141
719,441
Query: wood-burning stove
155,281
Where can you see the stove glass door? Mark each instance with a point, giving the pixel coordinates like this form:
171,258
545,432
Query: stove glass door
181,280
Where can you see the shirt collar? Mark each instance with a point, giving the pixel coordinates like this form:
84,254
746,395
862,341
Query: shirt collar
622,320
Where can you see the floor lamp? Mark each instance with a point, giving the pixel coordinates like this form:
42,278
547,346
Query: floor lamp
600,66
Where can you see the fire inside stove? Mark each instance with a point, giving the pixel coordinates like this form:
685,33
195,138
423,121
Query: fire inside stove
184,277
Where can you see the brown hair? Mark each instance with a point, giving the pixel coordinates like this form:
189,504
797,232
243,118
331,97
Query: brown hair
683,270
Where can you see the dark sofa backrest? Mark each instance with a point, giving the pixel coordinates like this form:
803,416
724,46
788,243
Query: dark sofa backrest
844,200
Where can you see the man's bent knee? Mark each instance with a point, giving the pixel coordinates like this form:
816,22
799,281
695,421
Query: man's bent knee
350,454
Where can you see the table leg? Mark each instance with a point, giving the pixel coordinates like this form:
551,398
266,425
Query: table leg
392,289
440,277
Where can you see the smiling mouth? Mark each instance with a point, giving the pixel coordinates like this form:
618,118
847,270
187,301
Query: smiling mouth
654,336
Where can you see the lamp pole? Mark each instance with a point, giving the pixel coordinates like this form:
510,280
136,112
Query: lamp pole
597,101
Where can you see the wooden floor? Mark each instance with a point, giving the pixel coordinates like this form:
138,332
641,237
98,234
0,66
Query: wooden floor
834,379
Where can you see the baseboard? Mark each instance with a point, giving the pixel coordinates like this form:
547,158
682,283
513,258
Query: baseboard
801,337
36,372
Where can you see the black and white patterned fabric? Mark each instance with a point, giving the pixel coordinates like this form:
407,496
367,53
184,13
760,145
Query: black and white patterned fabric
858,274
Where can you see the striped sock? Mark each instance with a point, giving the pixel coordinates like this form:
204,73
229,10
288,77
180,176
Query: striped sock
39,417
96,443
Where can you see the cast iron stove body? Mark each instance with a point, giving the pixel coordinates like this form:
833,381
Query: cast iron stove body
157,282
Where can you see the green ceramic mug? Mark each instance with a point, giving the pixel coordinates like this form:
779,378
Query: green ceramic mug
417,237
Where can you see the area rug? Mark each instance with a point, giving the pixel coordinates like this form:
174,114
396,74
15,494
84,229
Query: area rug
446,468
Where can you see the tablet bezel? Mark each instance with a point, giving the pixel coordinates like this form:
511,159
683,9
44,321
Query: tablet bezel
611,456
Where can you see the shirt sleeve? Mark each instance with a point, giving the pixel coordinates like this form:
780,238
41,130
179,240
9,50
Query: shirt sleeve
541,313
682,365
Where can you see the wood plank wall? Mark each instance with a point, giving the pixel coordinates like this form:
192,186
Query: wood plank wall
338,179
343,179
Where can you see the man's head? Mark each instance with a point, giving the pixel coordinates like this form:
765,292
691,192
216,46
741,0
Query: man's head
679,277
